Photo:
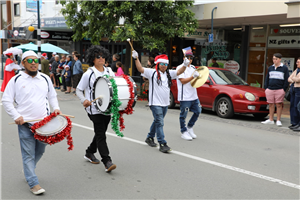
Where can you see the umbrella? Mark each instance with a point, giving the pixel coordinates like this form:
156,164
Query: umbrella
29,46
47,47
13,50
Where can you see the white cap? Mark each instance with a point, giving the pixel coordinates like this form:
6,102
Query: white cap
54,53
29,53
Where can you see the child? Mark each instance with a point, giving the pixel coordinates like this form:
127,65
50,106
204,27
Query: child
120,68
67,76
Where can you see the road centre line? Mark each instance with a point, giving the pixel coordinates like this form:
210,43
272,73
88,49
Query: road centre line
236,169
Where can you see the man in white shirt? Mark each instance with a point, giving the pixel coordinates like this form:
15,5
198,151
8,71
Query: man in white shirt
160,81
31,91
96,56
187,95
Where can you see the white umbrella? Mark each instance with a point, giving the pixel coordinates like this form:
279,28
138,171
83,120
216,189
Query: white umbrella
14,51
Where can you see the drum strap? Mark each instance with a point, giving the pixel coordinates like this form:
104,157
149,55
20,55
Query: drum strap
152,85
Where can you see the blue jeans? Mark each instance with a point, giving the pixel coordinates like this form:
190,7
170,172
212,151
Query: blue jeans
32,151
294,113
159,112
185,106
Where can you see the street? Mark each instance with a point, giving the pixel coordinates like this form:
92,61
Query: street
237,158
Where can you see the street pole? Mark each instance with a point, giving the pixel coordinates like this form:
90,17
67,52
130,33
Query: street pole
211,36
39,33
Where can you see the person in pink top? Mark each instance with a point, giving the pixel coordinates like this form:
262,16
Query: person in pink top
120,69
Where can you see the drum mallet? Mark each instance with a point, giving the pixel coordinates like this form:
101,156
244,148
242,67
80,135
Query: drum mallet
97,98
128,40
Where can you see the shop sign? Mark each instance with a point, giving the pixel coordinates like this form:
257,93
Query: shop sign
285,31
199,33
284,41
53,22
218,50
31,5
19,33
55,35
232,66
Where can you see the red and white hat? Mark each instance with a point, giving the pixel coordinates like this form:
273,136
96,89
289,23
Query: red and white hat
163,58
44,55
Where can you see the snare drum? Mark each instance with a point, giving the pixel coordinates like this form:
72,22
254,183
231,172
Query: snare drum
103,88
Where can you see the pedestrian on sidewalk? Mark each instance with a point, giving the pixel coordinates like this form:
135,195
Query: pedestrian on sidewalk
96,56
31,91
76,72
294,80
275,84
187,95
160,81
120,69
45,64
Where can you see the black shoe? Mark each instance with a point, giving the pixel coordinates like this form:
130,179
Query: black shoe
109,166
296,129
294,126
164,148
91,158
63,90
150,142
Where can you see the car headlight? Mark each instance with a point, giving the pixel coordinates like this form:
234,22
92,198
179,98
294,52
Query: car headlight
250,96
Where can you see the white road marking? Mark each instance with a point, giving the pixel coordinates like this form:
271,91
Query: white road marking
236,169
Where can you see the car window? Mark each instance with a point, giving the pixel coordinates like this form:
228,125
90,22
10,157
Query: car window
223,77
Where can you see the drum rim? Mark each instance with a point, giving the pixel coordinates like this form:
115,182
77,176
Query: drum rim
47,135
110,93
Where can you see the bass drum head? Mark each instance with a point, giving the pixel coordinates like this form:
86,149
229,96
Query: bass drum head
54,126
102,87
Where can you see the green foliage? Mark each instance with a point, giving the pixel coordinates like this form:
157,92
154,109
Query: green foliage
150,23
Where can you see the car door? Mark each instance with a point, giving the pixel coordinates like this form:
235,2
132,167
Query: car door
206,94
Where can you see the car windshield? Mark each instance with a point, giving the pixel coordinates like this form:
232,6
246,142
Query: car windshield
223,77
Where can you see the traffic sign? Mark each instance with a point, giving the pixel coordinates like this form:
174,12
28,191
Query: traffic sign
211,38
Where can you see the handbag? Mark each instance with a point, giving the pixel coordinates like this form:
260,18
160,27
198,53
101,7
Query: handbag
288,91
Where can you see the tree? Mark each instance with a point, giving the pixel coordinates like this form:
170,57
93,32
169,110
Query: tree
149,23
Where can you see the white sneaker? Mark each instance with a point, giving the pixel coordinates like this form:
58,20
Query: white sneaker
267,122
191,132
278,123
186,136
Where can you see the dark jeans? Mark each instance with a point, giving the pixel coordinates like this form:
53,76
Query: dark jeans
294,113
99,141
63,80
57,80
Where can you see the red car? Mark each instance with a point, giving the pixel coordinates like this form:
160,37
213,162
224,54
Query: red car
227,94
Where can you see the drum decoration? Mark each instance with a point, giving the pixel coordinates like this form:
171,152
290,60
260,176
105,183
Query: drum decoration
129,109
54,138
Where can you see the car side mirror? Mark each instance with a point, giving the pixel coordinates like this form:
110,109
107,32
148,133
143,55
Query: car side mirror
207,82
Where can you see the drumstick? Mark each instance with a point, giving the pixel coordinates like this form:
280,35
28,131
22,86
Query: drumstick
67,115
128,40
33,120
97,98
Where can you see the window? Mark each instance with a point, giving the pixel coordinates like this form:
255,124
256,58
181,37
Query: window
17,9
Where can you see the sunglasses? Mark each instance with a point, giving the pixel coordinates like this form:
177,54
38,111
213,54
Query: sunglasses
164,64
30,60
99,56
190,57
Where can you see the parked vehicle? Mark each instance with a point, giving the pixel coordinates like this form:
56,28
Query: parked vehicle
227,94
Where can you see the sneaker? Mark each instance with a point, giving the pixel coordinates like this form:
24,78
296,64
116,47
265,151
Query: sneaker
63,90
37,189
278,123
91,158
150,142
164,148
267,122
191,132
109,166
186,136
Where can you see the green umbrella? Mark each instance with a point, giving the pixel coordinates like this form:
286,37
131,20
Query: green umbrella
26,47
47,47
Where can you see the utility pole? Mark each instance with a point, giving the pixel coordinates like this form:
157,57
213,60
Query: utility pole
9,27
39,33
211,36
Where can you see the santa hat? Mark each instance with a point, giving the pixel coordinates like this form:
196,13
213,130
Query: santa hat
9,54
29,53
163,58
44,55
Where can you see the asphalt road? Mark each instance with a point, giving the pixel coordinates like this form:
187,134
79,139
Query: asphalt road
238,158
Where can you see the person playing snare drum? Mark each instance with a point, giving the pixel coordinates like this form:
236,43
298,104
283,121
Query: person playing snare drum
96,56
31,91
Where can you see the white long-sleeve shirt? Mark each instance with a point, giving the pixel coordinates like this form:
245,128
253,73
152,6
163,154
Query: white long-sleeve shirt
31,96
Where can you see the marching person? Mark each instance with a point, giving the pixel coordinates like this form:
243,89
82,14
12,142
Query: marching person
160,81
187,95
275,84
30,91
96,56
9,70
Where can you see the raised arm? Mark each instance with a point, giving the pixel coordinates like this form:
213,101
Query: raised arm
138,64
186,63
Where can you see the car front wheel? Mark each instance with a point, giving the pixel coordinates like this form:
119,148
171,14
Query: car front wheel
224,108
